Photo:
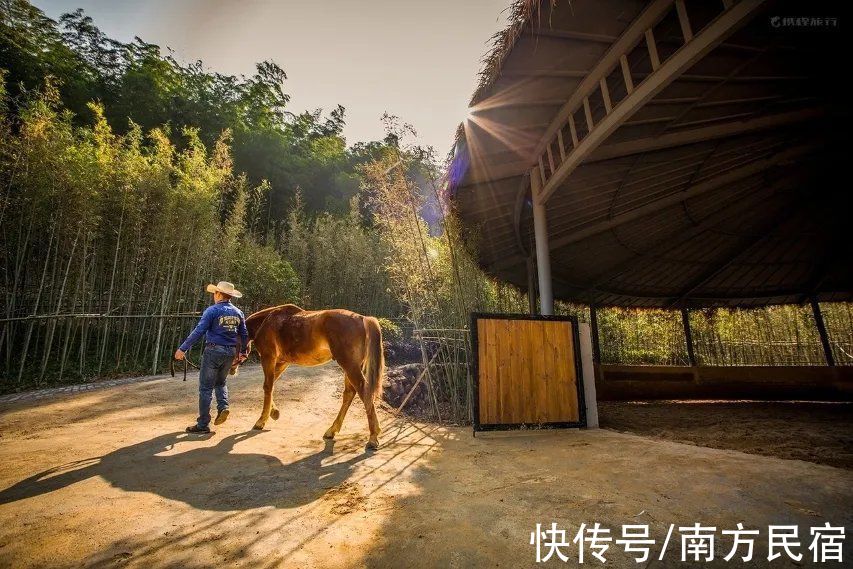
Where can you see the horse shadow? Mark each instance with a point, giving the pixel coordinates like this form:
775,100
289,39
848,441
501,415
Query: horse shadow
207,478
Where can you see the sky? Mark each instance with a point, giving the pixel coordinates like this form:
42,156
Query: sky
412,58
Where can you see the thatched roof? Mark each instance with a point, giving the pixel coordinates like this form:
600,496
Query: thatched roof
521,12
715,189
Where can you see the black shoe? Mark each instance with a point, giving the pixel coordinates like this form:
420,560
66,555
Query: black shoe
198,430
221,417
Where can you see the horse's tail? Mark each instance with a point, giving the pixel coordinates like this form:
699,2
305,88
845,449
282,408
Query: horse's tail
374,365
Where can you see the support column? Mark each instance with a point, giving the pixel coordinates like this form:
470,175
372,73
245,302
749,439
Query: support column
821,329
688,337
543,257
588,376
593,325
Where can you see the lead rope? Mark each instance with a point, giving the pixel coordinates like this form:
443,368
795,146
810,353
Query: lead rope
237,356
187,363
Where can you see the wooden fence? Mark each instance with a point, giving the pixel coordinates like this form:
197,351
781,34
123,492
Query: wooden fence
69,347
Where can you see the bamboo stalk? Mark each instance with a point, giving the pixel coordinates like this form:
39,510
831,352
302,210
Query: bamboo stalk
59,302
105,335
26,347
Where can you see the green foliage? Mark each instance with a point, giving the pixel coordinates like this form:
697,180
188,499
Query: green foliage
391,332
641,337
775,335
340,262
431,271
96,222
126,227
269,279
179,176
138,85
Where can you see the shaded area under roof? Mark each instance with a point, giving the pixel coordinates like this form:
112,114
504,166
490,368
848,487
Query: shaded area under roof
723,185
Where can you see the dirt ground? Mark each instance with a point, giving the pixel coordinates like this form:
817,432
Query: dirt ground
812,431
107,478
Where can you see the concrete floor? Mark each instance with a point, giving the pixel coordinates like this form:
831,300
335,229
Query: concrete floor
107,478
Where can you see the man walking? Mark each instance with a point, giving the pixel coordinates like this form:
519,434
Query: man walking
223,323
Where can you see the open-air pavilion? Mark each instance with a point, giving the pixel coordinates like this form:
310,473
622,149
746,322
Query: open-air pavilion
671,154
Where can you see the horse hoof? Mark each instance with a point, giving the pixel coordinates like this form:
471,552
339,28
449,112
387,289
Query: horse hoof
328,435
258,427
372,445
274,414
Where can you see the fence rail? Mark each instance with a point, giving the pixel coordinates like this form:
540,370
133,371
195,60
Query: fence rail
38,349
446,356
41,349
96,316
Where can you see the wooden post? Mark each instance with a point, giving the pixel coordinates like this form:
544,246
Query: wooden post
593,325
587,373
653,49
686,30
688,337
626,74
821,329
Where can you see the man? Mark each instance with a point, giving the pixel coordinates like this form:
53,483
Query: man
222,322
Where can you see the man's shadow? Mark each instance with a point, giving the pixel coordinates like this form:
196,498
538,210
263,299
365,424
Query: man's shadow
205,478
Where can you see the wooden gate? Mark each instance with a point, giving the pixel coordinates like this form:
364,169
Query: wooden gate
526,372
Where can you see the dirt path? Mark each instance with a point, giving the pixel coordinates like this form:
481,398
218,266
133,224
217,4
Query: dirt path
106,478
813,431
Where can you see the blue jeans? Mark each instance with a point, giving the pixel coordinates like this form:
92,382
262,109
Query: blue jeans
215,364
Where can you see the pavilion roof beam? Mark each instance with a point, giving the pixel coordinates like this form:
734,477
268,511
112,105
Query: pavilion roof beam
649,17
558,73
573,35
675,171
708,92
664,244
658,298
730,177
697,135
702,298
740,79
512,260
731,255
692,51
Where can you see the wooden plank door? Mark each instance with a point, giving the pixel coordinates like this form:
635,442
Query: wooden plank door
526,372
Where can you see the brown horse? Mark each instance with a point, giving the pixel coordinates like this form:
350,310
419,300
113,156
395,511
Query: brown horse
287,334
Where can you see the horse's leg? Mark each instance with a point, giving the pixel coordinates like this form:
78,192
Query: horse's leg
272,371
349,394
274,412
360,382
372,420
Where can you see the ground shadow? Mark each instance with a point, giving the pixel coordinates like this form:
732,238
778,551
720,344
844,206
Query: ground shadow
207,478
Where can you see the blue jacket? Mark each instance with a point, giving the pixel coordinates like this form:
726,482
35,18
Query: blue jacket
222,322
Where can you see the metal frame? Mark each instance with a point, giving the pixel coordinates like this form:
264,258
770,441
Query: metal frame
475,374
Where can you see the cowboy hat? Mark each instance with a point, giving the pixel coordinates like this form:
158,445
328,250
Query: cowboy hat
226,288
